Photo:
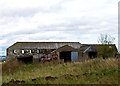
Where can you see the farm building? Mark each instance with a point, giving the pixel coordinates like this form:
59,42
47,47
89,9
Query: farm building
98,50
33,51
68,51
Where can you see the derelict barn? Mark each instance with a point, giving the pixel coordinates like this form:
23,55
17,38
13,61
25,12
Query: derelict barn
68,51
33,51
90,50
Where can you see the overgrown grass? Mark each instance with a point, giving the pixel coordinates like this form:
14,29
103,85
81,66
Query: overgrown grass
11,66
96,71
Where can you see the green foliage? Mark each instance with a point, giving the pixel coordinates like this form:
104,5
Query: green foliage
3,60
106,51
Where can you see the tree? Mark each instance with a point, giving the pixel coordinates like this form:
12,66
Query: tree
105,50
106,39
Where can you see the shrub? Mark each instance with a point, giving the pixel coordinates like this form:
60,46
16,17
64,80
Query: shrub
3,60
11,66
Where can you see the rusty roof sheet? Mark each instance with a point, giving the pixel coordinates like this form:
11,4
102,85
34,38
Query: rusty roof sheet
44,45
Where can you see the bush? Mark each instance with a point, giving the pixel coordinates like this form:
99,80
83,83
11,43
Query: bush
106,52
11,66
3,60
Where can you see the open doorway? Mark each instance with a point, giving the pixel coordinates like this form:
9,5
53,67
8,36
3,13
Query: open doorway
26,59
92,55
66,55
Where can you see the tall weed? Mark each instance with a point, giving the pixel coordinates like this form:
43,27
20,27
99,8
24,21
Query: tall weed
11,66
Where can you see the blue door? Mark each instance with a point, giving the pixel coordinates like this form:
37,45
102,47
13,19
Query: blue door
74,56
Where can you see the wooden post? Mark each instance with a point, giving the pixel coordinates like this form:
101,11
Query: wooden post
58,56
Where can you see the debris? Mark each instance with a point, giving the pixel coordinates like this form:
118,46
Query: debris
85,74
16,81
33,79
51,78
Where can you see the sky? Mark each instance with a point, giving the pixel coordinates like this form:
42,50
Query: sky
57,20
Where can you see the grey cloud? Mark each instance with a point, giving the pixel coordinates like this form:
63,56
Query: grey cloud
31,11
22,12
72,28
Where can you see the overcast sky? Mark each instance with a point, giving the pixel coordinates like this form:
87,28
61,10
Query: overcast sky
57,20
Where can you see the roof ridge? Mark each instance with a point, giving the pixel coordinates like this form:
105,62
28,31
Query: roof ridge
48,42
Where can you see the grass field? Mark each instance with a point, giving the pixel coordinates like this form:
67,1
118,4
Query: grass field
96,71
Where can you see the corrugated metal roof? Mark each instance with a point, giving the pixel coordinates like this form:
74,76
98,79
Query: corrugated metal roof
44,45
91,49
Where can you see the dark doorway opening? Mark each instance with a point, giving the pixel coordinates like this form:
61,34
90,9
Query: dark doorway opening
66,55
92,55
26,59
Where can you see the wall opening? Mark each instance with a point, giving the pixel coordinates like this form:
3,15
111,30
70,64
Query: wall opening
22,51
26,59
14,51
66,55
92,55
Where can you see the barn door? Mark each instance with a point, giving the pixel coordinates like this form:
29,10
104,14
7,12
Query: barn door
74,56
